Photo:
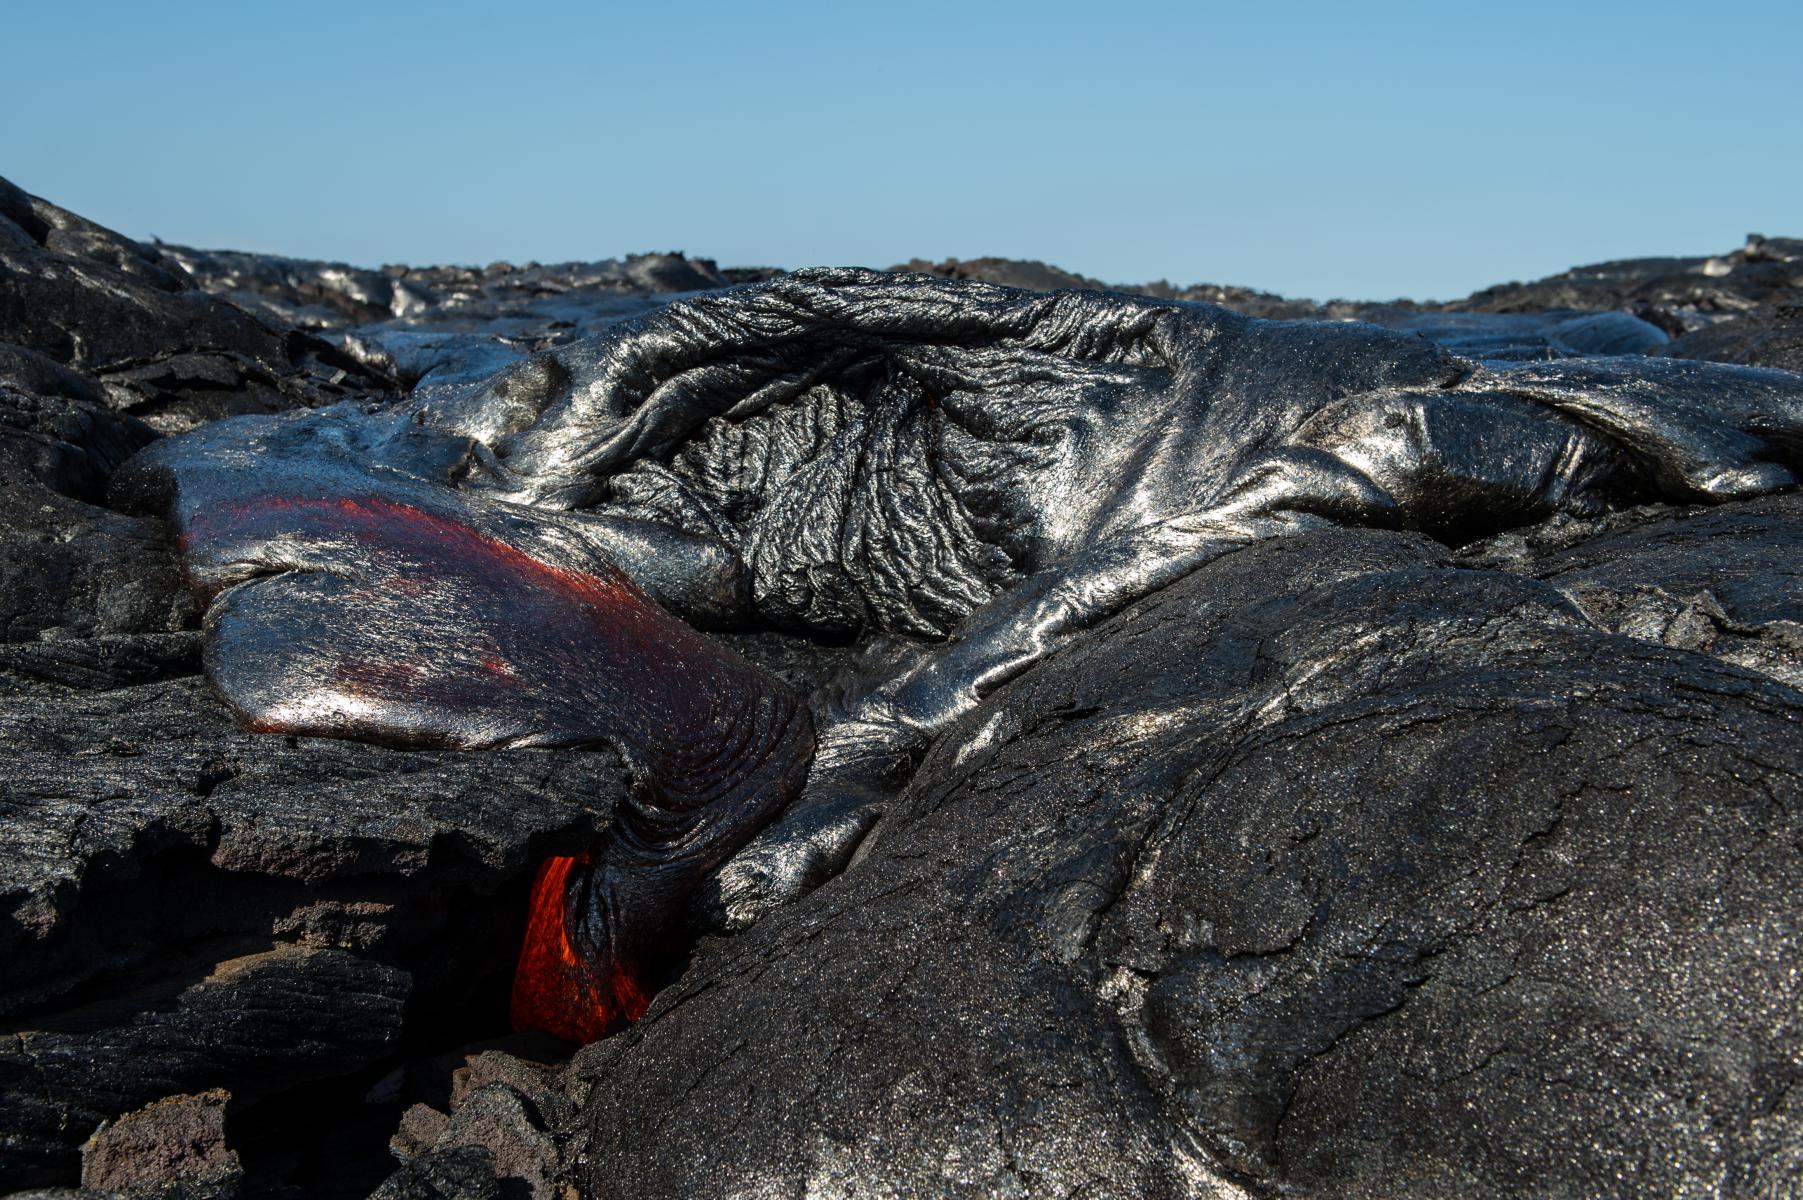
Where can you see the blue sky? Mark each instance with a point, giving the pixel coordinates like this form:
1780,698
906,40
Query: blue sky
1368,150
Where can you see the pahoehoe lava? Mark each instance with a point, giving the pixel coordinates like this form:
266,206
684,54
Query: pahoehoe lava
1042,740
976,461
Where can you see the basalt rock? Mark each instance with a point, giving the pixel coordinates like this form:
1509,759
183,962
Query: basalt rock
1042,277
1739,307
436,324
71,570
175,1146
324,295
133,322
1688,290
189,905
1768,336
1335,867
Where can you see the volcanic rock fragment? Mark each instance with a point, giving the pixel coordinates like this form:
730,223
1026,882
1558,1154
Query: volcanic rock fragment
176,1146
254,1024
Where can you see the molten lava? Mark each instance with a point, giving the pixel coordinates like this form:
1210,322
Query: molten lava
560,986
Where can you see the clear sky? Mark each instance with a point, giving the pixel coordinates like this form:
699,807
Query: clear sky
1356,149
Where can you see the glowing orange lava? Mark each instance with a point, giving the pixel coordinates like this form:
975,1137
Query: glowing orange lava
555,987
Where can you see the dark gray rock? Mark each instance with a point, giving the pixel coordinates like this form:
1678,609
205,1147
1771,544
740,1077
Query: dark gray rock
130,320
1768,336
1724,582
513,1111
1514,337
1037,276
1033,276
1687,290
174,1147
457,1173
255,1024
326,295
1740,307
441,324
500,1119
1331,868
69,567
144,818
150,839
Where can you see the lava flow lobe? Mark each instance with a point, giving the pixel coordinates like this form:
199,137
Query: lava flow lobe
406,622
